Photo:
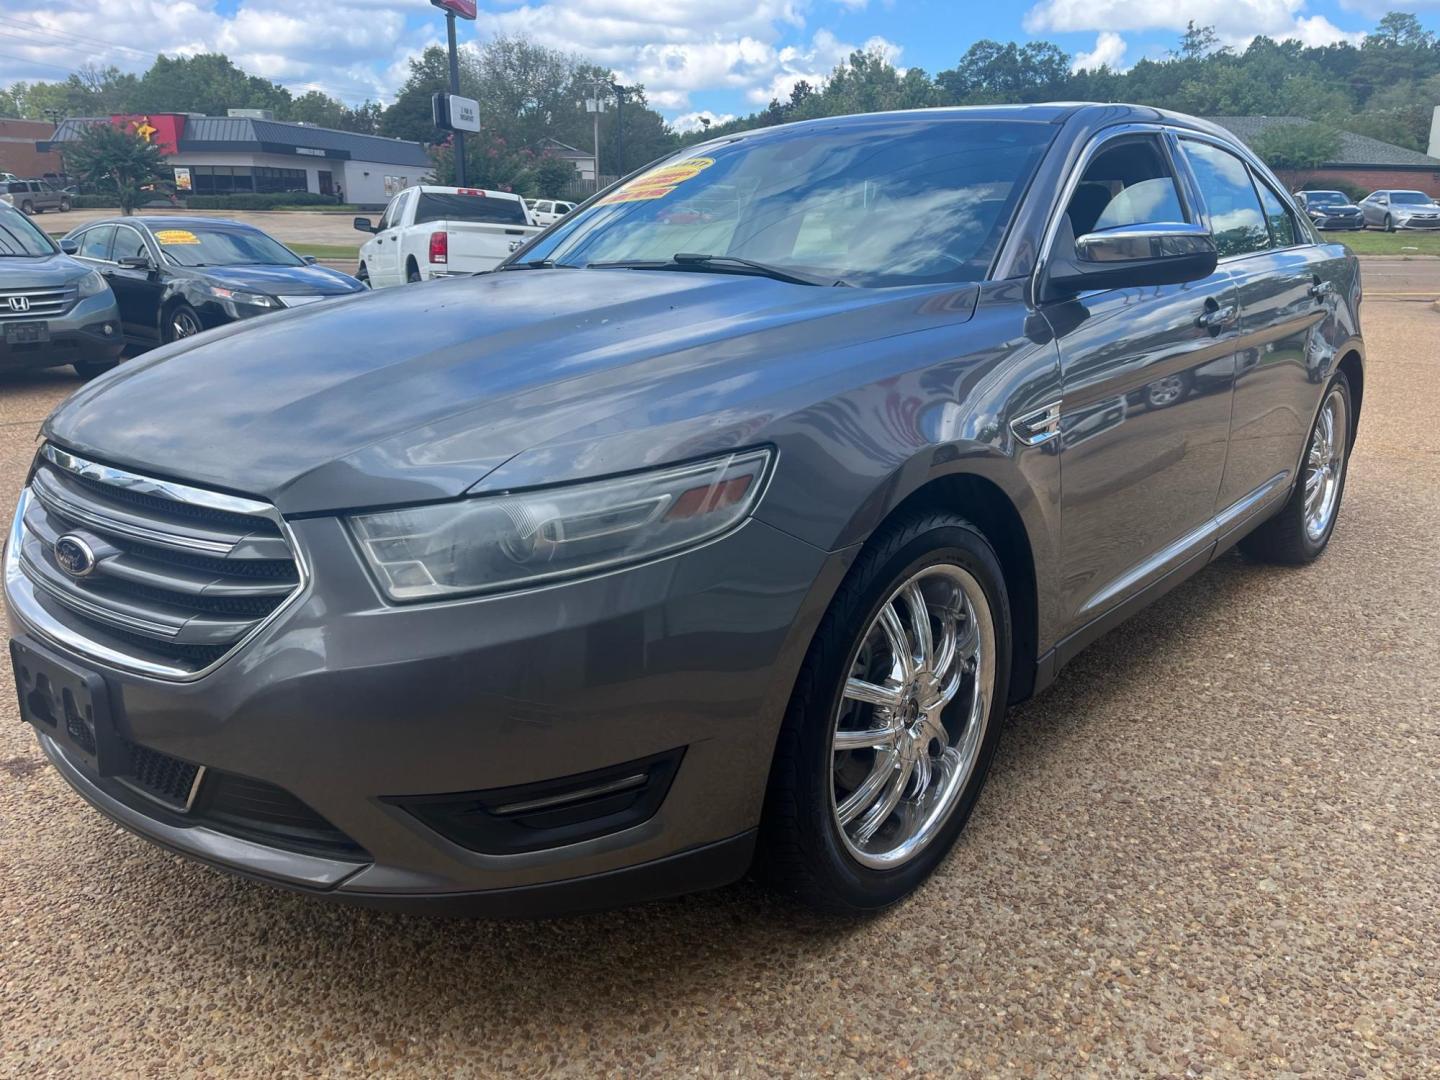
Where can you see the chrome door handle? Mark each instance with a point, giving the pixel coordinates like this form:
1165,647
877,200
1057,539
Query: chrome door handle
1321,289
1216,318
1039,426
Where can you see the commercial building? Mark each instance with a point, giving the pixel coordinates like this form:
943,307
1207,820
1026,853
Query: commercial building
1360,161
18,150
225,155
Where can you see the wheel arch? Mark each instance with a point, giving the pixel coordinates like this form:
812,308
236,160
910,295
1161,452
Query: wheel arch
1353,365
991,509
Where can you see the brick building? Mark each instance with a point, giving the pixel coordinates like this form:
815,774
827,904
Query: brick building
1362,162
18,153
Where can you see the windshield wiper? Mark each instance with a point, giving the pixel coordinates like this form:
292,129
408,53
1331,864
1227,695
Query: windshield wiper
689,260
540,264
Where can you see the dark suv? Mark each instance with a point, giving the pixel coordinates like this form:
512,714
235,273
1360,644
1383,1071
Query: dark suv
684,535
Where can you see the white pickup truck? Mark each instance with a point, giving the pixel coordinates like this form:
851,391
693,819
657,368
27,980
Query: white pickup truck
431,232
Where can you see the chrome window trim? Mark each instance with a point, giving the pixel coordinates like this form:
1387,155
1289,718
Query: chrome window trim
20,589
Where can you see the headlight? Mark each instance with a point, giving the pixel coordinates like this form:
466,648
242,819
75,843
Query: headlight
240,296
91,284
496,542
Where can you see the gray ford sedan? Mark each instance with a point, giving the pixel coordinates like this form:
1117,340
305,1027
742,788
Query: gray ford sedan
717,528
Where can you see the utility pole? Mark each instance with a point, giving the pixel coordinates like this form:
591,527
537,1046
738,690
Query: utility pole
595,105
619,129
457,136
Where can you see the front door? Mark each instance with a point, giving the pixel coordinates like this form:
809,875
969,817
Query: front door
137,291
327,182
1147,375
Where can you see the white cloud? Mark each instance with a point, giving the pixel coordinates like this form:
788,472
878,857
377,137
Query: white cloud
691,121
1109,51
1235,21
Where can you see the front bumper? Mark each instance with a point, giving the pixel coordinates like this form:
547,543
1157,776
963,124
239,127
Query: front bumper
80,335
350,704
1413,223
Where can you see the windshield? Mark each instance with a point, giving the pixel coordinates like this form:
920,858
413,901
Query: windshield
442,206
879,203
1410,198
1325,198
198,246
20,238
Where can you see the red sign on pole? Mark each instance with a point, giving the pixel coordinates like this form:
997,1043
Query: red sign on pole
464,9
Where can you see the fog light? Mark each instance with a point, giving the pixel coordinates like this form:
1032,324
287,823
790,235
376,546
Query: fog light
109,329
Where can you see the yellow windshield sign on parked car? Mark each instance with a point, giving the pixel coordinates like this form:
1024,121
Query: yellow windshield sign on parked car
658,183
172,237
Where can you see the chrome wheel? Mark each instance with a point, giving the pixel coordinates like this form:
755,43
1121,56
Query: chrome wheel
912,718
1325,465
1164,392
184,324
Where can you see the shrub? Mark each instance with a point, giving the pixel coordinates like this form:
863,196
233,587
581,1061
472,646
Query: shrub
268,201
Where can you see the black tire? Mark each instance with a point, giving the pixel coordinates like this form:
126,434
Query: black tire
176,317
27,207
1389,224
363,275
412,274
88,369
64,206
801,849
1285,538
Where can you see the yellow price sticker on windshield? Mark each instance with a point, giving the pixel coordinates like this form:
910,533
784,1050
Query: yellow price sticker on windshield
657,183
171,237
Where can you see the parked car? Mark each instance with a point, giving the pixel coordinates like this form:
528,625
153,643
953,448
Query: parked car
430,232
585,580
176,276
1401,210
1330,209
54,310
34,196
548,211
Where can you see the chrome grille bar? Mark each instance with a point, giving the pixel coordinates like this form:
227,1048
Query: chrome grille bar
148,574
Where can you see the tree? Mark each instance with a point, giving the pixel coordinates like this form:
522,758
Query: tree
1297,146
1197,41
116,160
208,83
553,177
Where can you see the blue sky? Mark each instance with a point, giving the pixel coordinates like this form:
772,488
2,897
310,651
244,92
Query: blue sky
696,57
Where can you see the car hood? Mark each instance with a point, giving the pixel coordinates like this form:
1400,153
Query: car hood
282,280
416,393
37,272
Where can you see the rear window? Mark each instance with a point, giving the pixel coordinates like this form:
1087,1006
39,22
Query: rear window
444,206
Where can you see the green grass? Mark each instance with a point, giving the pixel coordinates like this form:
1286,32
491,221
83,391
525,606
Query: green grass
326,251
1374,242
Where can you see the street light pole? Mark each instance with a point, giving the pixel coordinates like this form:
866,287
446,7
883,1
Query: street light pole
458,137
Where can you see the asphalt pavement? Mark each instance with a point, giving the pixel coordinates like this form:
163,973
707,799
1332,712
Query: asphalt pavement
1210,848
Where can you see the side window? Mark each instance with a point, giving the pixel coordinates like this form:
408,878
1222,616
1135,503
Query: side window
387,219
1128,183
95,243
129,244
1235,216
1282,225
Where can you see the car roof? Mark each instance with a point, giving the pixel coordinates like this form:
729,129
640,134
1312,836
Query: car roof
152,223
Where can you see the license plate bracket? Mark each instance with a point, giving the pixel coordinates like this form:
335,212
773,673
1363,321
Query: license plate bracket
27,333
69,705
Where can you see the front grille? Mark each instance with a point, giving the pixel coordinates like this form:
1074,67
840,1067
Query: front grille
168,576
39,303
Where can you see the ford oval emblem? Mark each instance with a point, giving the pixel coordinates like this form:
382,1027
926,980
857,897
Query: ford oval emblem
74,556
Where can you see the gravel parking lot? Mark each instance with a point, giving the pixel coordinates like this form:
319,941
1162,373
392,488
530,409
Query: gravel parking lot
1211,847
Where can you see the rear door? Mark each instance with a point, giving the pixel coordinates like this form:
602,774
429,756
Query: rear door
1147,376
1287,284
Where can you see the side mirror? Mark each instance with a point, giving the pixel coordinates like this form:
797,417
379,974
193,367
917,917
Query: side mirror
362,224
70,247
310,260
135,262
1133,256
